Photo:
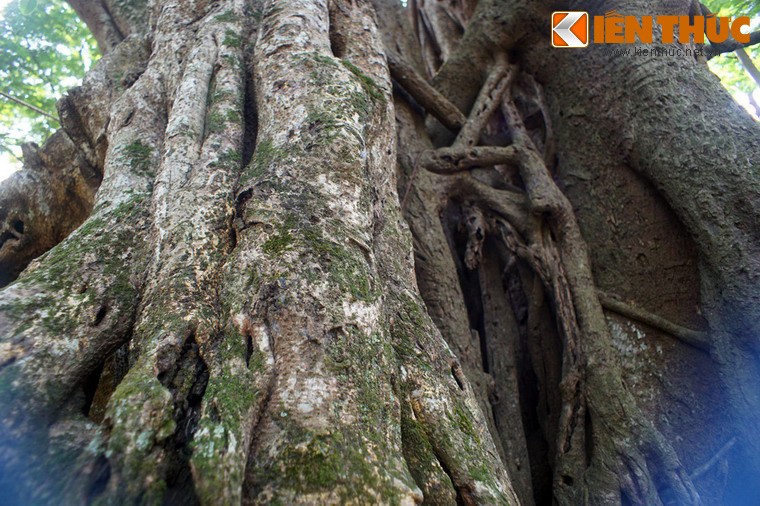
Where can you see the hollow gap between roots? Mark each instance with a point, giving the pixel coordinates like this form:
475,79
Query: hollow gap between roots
187,382
535,410
90,388
530,383
100,385
456,233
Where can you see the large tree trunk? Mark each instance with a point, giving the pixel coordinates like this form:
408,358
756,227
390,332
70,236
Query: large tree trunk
344,252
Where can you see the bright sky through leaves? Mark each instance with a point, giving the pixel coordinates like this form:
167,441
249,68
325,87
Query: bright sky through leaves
7,163
45,49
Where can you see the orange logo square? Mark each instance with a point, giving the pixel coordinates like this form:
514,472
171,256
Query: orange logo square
569,29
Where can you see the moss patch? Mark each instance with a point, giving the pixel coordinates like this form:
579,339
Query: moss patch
62,263
346,267
227,17
139,156
369,85
229,394
232,39
265,154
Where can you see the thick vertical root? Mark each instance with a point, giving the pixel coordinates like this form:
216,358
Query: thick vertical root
181,332
337,382
72,309
330,431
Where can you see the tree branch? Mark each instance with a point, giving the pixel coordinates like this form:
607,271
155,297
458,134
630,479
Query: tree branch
489,99
100,22
748,65
729,45
30,106
713,50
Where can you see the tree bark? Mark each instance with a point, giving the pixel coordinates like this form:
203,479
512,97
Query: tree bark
346,252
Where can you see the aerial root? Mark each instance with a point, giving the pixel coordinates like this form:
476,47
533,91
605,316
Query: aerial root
489,99
461,159
427,96
704,468
694,338
537,224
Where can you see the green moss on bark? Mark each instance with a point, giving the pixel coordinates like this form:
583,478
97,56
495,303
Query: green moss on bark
218,444
141,416
139,157
368,84
232,39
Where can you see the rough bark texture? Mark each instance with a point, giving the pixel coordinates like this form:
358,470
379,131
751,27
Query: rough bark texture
344,252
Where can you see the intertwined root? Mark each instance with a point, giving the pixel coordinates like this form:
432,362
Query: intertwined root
623,454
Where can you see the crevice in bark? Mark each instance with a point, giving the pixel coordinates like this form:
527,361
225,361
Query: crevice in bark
240,201
250,114
457,374
248,349
211,118
424,466
456,233
589,438
337,39
463,495
110,374
232,239
251,487
100,315
100,477
90,388
187,381
250,136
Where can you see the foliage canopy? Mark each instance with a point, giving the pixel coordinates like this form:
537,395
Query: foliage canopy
44,50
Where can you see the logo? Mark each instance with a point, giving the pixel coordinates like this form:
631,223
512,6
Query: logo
570,29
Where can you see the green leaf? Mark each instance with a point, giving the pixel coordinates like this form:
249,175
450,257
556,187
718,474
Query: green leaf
44,50
27,6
